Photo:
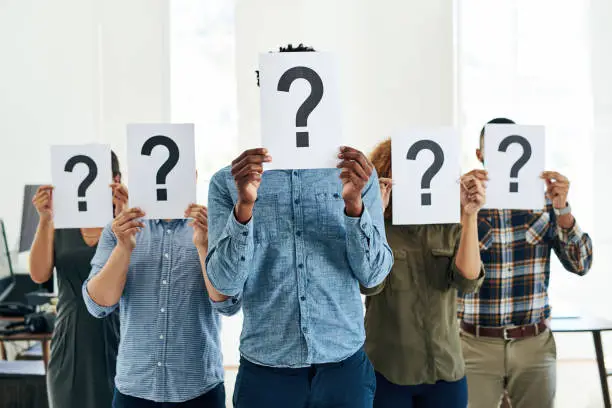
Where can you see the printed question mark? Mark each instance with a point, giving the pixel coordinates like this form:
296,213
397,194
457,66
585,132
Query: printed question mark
435,167
518,165
316,94
87,181
166,168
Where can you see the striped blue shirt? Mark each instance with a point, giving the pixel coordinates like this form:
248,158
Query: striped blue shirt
297,264
170,348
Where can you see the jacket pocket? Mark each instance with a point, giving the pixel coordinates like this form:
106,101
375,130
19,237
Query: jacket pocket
441,270
400,277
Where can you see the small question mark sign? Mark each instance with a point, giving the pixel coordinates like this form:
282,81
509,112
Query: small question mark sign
520,163
435,167
169,164
87,181
309,105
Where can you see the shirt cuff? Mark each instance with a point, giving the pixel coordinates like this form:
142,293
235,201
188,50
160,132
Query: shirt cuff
226,304
94,308
362,224
464,284
573,234
240,233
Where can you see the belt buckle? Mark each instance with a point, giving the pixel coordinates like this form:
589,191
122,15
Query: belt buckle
505,332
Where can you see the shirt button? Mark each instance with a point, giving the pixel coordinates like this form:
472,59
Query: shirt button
161,336
234,301
336,195
162,310
303,298
165,282
300,266
294,173
245,233
297,201
305,329
298,233
169,231
159,364
242,258
166,256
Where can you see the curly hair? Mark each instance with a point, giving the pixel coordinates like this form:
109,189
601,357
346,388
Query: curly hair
289,48
381,159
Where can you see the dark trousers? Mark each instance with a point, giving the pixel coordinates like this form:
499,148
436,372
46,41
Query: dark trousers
214,398
442,394
348,384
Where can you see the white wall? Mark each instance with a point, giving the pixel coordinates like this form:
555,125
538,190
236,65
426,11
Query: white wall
75,71
396,59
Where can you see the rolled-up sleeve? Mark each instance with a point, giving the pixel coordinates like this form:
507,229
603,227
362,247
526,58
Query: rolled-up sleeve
106,244
369,255
463,284
228,307
231,251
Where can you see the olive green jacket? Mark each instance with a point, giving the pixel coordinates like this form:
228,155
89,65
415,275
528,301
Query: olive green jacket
412,334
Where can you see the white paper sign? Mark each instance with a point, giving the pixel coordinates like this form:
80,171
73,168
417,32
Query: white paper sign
81,175
514,156
426,171
162,171
300,109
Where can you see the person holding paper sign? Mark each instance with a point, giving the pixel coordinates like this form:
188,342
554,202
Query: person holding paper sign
507,342
412,334
292,246
153,270
84,349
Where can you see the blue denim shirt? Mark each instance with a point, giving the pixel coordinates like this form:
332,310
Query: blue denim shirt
297,264
170,349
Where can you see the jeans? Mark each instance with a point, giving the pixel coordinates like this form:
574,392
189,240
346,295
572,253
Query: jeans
348,384
442,394
214,398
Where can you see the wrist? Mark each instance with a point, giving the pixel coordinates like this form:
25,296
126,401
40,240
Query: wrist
469,217
45,222
243,212
353,208
124,248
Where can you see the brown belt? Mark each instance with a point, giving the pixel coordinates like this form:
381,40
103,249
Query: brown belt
506,333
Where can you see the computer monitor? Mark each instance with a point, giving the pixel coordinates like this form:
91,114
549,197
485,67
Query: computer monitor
7,275
29,218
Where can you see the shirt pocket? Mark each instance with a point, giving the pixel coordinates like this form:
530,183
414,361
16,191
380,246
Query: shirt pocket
400,278
330,209
441,268
266,218
485,234
537,228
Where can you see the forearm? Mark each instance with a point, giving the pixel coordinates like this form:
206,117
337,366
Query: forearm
106,287
213,293
41,253
467,259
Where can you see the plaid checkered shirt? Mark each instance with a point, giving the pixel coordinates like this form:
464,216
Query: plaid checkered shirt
515,247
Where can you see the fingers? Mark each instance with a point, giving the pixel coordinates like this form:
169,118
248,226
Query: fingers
253,156
553,175
120,192
355,168
197,213
128,215
482,175
348,154
44,188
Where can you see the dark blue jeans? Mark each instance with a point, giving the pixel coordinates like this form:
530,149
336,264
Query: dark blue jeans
439,395
348,384
214,398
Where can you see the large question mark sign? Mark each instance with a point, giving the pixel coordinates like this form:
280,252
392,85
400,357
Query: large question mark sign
316,94
166,168
87,181
435,167
518,165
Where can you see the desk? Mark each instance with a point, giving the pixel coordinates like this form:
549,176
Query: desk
595,326
43,338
